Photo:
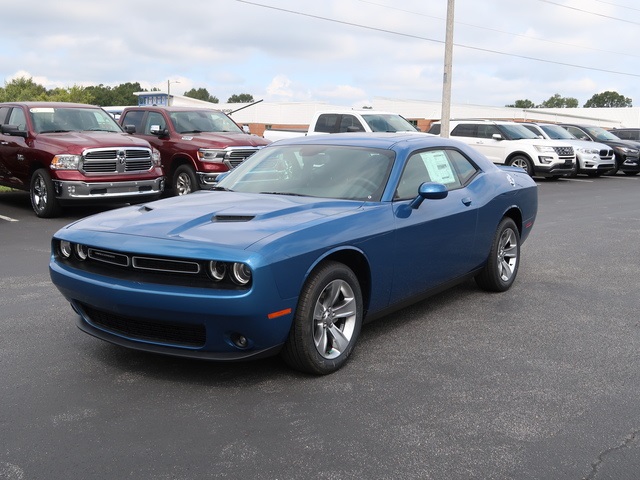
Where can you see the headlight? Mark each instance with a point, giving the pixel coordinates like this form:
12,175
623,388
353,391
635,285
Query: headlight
210,155
628,151
82,251
587,151
155,157
240,273
544,148
65,248
217,270
66,162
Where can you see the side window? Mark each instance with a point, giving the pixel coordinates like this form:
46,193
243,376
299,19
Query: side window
448,167
3,114
465,130
134,117
154,118
18,118
487,131
463,167
576,132
349,123
623,135
327,123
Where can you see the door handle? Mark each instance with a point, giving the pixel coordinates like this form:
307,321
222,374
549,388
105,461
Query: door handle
466,201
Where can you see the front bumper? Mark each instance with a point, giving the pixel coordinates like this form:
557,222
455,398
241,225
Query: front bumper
630,164
79,190
178,320
564,167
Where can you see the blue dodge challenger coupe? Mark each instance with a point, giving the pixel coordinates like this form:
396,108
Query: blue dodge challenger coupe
296,248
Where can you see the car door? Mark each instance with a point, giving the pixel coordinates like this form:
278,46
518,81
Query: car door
435,243
480,137
13,166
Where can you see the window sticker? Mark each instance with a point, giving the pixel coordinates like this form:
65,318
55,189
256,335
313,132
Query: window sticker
41,110
438,166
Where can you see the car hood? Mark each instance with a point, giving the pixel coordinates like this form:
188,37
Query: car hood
229,219
223,139
76,142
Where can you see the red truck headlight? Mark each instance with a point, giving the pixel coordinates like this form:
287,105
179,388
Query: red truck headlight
211,155
66,162
155,156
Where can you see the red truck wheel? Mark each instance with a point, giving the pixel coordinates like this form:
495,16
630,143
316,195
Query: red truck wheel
184,181
43,196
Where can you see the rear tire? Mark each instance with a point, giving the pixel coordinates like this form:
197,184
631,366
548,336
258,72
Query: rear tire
43,196
327,321
501,268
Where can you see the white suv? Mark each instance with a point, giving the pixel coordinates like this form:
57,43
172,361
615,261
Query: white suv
509,143
592,158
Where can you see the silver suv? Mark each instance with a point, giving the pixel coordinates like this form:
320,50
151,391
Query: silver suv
592,158
510,143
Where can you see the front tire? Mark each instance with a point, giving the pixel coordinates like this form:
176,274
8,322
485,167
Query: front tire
523,163
504,258
43,196
184,181
327,322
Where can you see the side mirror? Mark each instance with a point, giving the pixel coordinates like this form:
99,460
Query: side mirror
14,131
497,136
130,129
246,129
160,132
429,191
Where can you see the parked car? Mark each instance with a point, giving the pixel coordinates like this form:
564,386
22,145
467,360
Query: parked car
627,133
69,153
509,143
296,247
343,121
196,144
592,159
626,151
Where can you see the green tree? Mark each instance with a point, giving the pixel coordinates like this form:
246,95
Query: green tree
201,94
21,90
240,98
526,103
73,94
559,102
608,99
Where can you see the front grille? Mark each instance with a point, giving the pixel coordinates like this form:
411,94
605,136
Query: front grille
179,334
116,160
192,273
235,156
564,151
606,154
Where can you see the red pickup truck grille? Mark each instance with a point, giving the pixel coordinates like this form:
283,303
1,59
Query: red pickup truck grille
235,156
117,160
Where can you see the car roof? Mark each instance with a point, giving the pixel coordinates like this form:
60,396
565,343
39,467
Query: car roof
50,104
170,109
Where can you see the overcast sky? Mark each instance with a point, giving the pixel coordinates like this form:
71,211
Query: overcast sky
344,52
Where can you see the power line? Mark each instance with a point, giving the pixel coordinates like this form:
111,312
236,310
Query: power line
528,37
590,13
417,37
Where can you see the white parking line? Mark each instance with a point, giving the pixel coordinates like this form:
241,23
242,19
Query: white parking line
577,180
621,177
8,219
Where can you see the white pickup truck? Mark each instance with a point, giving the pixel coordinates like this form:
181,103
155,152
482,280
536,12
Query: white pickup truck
339,121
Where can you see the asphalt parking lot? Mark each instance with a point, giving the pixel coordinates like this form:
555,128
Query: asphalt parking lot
540,382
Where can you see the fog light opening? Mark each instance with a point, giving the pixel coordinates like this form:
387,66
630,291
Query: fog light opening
239,340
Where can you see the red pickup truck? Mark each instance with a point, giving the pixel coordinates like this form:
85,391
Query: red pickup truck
196,144
66,153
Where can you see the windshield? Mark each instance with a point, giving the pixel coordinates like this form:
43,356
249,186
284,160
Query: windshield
72,119
516,132
199,121
382,122
352,173
556,132
601,134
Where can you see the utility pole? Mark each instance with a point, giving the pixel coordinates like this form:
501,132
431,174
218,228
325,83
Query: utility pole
169,82
445,116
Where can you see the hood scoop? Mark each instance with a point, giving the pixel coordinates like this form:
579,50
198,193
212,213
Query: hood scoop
232,218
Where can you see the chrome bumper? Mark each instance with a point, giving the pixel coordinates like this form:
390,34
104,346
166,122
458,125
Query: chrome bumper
67,190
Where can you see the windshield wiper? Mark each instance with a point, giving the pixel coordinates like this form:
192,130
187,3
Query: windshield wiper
221,189
285,193
56,131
